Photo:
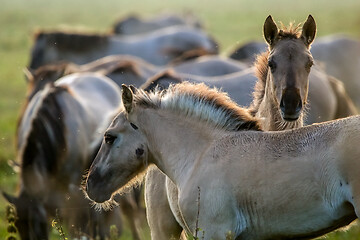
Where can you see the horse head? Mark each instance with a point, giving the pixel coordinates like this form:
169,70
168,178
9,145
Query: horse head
122,156
289,65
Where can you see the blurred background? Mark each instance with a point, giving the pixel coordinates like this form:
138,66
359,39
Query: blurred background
231,22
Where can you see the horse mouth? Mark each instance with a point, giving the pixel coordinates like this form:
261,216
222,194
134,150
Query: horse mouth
291,119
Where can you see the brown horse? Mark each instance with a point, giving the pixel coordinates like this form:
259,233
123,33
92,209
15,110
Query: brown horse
159,47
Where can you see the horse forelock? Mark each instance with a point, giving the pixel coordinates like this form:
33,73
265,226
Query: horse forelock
46,137
289,32
74,41
202,103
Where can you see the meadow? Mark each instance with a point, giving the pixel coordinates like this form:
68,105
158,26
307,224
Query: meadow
231,22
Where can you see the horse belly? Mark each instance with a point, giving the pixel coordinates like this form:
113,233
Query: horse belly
308,224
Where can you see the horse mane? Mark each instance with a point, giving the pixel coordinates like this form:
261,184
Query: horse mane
190,55
46,71
47,133
289,32
124,66
261,65
261,72
75,41
202,103
154,82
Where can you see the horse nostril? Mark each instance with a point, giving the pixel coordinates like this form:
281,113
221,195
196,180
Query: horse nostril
282,105
299,106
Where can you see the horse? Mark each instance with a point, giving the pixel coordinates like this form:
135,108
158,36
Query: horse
159,188
127,69
314,167
57,137
159,47
133,24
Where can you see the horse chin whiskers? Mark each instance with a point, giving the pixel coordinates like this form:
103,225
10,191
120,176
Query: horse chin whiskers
106,206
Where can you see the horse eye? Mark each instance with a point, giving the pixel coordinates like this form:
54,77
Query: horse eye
272,65
109,139
309,64
133,126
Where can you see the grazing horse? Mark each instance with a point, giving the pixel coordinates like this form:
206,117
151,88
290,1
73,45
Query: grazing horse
57,137
133,24
306,186
159,47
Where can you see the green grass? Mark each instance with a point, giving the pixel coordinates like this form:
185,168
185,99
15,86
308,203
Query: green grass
229,21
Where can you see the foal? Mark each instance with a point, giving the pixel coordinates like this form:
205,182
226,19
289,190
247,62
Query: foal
306,186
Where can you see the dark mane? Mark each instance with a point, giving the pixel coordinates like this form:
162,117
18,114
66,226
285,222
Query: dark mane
161,81
45,74
261,71
46,143
74,41
124,66
202,103
190,55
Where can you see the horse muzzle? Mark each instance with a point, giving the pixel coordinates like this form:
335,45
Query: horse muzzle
291,105
94,188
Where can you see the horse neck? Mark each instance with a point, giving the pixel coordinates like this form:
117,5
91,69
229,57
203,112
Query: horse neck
269,113
175,142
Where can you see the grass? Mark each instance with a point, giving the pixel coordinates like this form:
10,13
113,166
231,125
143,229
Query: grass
229,21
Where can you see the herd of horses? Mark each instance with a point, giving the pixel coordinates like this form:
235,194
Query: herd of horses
221,141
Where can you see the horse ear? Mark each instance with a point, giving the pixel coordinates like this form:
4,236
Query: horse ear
29,76
270,30
133,89
309,31
127,98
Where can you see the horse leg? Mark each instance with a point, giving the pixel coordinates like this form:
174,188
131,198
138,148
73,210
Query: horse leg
163,225
131,212
209,214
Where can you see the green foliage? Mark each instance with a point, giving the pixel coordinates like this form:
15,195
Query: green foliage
11,217
57,225
230,21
